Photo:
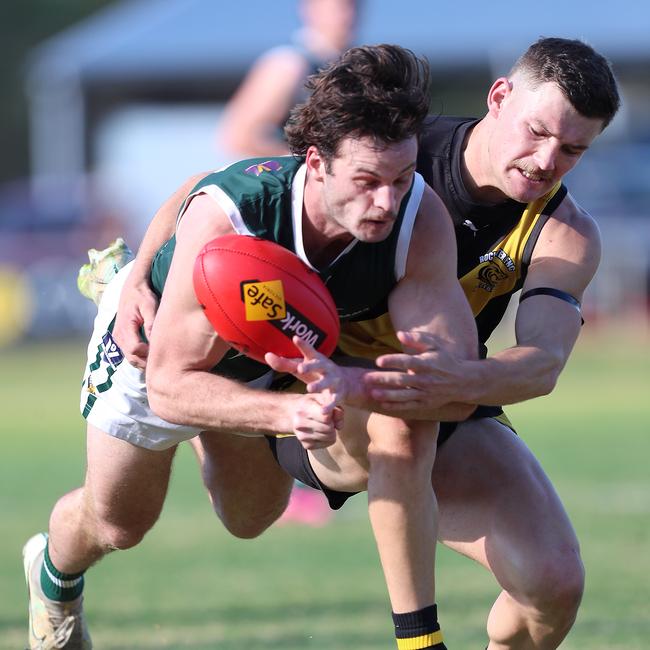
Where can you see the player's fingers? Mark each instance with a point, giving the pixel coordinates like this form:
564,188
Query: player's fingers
315,366
306,349
137,355
318,443
331,384
148,312
417,341
396,361
281,364
338,416
390,379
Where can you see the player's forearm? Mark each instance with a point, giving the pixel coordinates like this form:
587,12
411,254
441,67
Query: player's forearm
210,402
510,376
356,391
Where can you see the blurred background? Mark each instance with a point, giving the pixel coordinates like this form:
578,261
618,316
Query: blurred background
109,105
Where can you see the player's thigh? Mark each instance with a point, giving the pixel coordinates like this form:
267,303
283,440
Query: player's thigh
372,440
343,466
241,473
497,505
125,484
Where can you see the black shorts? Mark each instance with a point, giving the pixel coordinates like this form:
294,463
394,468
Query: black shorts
293,457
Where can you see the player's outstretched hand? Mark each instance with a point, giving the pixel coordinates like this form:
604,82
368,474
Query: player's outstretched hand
425,376
137,309
319,373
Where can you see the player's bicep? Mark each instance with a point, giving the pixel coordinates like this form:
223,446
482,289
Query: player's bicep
549,325
429,297
563,264
182,338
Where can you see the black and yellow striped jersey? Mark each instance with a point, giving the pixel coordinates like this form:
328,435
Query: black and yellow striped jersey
494,242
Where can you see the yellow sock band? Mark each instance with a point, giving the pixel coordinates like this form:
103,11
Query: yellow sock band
419,642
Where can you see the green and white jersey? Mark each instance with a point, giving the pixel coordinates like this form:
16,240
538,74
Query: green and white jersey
264,197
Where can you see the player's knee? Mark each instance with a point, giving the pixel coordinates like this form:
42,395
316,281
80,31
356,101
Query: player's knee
248,527
124,529
411,446
248,523
557,588
120,537
567,586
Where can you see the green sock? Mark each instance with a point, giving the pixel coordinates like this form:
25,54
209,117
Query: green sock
57,585
418,630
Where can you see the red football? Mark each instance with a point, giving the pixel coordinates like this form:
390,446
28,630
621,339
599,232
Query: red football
258,295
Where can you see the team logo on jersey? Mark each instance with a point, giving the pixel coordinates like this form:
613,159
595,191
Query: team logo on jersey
112,353
498,254
258,168
496,266
489,276
263,300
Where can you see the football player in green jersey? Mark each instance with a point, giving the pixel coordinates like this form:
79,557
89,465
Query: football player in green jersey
349,199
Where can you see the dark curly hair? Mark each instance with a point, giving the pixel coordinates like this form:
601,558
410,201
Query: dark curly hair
380,91
584,76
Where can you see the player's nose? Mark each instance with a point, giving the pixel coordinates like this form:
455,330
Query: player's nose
386,199
545,156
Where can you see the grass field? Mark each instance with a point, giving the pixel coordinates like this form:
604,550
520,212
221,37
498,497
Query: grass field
189,585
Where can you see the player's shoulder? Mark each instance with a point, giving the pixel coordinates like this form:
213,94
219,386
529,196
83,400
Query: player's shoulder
570,217
432,213
570,234
433,229
276,171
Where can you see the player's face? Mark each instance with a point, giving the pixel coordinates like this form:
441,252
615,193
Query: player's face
364,187
538,137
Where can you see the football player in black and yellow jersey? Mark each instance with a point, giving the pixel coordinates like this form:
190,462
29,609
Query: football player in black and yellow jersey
517,228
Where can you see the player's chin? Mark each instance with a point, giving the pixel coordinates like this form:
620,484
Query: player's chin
525,190
372,231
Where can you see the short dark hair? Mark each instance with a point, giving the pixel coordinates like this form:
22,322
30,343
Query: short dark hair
380,91
584,76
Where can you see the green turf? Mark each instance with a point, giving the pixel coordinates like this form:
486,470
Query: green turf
189,585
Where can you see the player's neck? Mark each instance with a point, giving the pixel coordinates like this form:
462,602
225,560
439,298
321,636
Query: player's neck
322,242
323,238
475,166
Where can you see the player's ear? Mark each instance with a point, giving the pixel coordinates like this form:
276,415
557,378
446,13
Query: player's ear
499,91
315,164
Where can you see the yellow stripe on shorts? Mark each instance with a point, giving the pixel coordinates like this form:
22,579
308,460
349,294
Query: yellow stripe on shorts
418,642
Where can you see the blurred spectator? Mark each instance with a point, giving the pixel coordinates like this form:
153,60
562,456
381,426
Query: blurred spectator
252,121
252,126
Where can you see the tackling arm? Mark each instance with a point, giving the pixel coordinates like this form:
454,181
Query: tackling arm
184,348
566,257
138,304
427,305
